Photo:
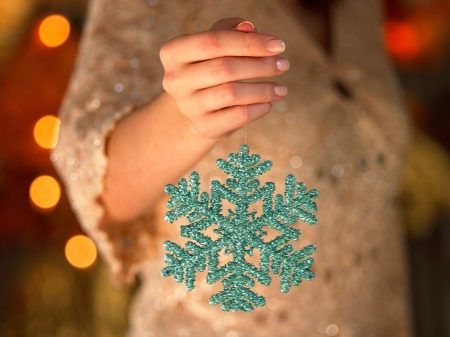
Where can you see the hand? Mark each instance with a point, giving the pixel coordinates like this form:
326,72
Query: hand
204,74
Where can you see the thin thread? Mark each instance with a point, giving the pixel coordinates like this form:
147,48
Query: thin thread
245,92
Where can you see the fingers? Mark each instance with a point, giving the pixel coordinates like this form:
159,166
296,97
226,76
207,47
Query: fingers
203,73
214,44
228,69
237,93
220,123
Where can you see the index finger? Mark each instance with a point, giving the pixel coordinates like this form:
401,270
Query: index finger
214,44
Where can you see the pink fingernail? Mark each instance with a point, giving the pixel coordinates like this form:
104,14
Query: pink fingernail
248,22
280,90
283,64
275,46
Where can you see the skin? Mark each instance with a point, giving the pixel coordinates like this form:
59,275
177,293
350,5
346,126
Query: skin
203,102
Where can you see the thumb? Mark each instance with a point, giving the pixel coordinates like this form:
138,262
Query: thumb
238,24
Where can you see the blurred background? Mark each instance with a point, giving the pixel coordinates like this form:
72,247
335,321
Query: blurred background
51,281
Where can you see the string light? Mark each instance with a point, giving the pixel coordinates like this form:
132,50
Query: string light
80,251
401,39
46,131
45,192
54,30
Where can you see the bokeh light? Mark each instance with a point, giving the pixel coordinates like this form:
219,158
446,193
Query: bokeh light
54,30
46,131
401,39
45,192
80,251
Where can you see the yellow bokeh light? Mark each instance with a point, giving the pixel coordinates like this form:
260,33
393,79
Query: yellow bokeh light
45,192
46,131
80,251
54,30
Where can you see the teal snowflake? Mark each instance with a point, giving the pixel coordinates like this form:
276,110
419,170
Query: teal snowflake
240,232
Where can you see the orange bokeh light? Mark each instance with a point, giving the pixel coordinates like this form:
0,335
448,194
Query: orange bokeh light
80,251
46,131
45,192
401,39
54,30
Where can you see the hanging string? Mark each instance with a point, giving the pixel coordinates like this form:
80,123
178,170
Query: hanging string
245,92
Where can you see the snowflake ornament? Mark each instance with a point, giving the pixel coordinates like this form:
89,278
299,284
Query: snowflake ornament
240,232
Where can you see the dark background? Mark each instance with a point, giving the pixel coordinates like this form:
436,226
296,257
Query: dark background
42,294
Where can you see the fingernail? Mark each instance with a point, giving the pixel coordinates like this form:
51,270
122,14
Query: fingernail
283,64
280,90
275,46
247,22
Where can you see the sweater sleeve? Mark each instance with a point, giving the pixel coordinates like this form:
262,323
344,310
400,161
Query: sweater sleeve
117,71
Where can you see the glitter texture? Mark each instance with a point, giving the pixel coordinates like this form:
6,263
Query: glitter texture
240,232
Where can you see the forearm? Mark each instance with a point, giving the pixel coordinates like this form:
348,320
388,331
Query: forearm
149,148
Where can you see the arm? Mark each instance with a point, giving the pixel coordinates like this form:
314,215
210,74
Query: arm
148,149
203,102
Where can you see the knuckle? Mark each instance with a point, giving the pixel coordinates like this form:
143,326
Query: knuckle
211,43
223,68
267,64
240,115
164,53
167,50
168,81
184,108
203,130
229,93
267,90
